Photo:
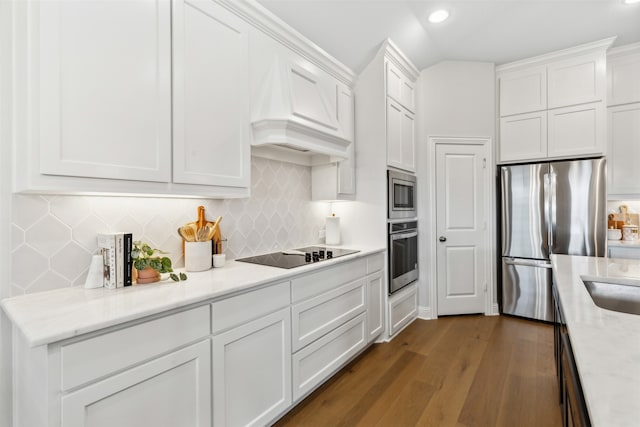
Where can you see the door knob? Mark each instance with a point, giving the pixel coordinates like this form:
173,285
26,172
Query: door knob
442,239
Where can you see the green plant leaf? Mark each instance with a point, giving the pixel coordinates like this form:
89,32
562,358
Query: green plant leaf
183,276
174,277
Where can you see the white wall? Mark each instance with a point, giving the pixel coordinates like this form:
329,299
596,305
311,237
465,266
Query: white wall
5,208
455,98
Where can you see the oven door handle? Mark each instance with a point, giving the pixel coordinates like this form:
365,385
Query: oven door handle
397,236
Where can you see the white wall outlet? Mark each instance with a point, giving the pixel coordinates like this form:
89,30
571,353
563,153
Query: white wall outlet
321,233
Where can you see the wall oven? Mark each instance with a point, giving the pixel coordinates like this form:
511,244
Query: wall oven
402,195
403,254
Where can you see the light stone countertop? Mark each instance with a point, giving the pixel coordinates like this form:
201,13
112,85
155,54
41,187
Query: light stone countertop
606,344
51,316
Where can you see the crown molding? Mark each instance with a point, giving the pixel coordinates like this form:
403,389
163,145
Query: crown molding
627,49
400,60
276,28
600,45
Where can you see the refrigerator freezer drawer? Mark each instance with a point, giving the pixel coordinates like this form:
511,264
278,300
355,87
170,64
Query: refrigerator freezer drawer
526,288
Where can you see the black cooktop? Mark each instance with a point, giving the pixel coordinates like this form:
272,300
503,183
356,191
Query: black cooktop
312,255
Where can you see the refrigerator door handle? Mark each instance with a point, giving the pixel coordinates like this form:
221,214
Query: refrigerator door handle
527,263
547,207
552,211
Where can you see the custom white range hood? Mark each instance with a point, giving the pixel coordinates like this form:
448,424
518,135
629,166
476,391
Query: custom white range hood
300,112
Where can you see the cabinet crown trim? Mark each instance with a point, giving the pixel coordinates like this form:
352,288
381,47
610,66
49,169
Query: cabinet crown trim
268,23
400,60
627,49
603,44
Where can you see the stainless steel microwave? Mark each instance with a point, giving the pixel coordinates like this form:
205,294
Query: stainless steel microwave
402,195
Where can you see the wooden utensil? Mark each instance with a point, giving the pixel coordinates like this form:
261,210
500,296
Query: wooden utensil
187,233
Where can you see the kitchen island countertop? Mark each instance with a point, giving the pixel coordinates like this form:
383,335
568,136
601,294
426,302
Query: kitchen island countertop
606,344
51,316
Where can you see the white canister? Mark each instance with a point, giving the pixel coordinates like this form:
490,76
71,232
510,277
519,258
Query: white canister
630,233
332,230
197,256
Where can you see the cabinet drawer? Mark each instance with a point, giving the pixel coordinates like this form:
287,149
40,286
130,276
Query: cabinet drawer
317,316
403,309
236,310
375,263
316,362
327,279
622,252
96,357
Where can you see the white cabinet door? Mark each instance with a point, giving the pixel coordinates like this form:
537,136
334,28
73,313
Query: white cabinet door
104,94
211,130
623,79
173,390
523,137
345,113
623,153
375,305
523,91
400,88
400,137
576,80
319,360
576,131
252,371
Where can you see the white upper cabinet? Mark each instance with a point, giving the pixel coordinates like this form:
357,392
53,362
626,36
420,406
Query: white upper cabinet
623,153
523,91
577,80
552,106
104,96
623,76
623,125
399,87
104,118
576,131
211,131
400,137
523,136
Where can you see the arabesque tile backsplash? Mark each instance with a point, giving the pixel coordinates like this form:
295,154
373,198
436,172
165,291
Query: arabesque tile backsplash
54,237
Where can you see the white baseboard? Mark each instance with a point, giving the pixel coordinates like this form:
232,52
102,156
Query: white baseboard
425,313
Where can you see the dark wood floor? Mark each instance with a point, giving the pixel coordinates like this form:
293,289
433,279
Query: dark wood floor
454,371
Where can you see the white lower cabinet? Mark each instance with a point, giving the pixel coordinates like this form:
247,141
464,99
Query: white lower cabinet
252,371
316,362
169,391
229,362
403,308
630,252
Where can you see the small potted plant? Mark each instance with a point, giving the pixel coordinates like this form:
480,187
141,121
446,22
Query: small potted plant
149,264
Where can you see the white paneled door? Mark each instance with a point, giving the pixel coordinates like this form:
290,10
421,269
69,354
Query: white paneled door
462,197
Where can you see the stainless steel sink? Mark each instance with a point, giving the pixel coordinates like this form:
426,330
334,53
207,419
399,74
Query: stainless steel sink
623,297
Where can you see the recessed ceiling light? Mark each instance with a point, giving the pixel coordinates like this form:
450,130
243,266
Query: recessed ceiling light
440,15
631,1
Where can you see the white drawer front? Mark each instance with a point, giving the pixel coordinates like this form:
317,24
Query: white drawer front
327,279
96,357
375,262
236,310
403,309
316,362
319,315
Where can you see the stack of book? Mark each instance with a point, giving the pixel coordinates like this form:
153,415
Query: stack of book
116,255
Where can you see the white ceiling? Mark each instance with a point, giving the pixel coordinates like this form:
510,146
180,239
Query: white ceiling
477,30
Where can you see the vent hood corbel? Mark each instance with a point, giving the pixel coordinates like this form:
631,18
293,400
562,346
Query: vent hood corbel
295,115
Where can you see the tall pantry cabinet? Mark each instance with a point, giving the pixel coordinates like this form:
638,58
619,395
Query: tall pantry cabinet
623,124
553,106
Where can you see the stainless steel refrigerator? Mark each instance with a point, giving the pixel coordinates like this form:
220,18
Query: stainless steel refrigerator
547,208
